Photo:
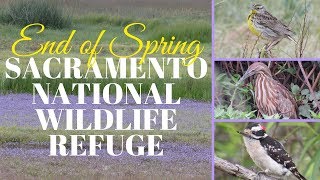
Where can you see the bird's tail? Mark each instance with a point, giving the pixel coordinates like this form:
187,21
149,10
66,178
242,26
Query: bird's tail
289,37
299,176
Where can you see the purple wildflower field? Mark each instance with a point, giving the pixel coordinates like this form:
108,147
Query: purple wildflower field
18,110
181,159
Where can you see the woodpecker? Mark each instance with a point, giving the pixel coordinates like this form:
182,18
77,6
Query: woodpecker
267,153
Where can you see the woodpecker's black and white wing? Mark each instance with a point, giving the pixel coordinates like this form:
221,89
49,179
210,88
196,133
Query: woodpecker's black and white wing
277,152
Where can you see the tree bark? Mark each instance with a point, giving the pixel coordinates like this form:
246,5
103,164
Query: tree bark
238,170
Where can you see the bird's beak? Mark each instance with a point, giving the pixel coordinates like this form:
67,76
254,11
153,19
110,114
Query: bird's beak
245,133
245,76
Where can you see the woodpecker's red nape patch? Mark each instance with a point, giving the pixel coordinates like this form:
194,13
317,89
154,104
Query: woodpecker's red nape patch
264,128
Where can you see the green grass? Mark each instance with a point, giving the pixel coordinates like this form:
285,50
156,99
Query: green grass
88,25
25,12
185,87
23,135
184,31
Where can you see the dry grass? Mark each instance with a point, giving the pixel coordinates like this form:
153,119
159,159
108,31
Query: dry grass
148,3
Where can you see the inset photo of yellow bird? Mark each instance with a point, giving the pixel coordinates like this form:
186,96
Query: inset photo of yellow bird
266,29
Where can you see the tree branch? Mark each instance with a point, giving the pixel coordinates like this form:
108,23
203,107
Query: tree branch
306,79
238,170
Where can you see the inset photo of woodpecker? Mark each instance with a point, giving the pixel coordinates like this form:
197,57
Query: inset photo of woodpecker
266,29
268,90
267,151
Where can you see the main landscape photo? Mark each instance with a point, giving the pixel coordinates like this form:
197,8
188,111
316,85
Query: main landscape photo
105,89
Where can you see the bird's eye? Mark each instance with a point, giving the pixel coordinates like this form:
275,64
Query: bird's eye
258,133
258,7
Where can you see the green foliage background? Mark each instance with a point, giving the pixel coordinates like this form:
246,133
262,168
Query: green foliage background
24,12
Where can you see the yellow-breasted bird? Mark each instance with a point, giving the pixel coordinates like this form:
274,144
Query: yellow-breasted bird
265,25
